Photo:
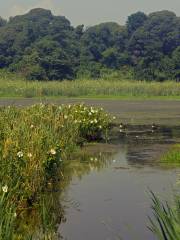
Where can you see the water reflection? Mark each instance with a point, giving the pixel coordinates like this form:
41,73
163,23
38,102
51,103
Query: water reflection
112,201
101,192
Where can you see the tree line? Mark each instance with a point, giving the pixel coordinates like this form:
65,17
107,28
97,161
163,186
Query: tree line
41,46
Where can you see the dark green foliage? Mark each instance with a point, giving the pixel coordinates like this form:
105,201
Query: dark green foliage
135,21
154,42
41,46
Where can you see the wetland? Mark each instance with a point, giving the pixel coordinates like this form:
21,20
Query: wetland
93,189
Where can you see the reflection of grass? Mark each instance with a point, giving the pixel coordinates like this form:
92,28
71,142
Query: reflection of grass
172,156
166,225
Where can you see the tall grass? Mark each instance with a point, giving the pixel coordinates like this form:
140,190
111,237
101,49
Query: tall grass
172,157
35,144
17,87
166,222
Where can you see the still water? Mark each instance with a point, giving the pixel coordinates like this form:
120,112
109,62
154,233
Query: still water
113,201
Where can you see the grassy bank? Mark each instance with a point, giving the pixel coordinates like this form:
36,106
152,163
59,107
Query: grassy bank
11,86
172,157
36,144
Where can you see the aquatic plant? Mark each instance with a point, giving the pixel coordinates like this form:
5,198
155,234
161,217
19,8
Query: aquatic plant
14,86
35,144
166,221
172,157
7,213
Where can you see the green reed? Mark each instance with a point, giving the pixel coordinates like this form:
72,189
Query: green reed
166,221
15,86
172,157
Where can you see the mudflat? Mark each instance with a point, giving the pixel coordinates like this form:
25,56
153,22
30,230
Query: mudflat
164,112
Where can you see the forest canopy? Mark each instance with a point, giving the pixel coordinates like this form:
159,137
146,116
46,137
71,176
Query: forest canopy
41,46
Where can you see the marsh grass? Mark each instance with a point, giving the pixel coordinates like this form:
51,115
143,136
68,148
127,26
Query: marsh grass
35,144
14,86
172,157
7,215
166,222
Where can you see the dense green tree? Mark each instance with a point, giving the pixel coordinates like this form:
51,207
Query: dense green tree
102,43
152,42
2,22
42,46
135,21
176,63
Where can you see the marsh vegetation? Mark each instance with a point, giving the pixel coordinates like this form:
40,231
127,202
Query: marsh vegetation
44,146
36,144
13,86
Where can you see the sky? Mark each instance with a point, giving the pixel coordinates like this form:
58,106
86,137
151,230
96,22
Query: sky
89,12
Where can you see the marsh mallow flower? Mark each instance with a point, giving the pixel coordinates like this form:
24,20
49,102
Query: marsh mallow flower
20,154
5,188
53,151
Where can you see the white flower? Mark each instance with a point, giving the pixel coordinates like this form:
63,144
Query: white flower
75,121
32,126
20,154
91,159
15,214
95,159
95,121
65,116
114,118
29,155
100,127
53,151
91,122
5,188
90,114
41,105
